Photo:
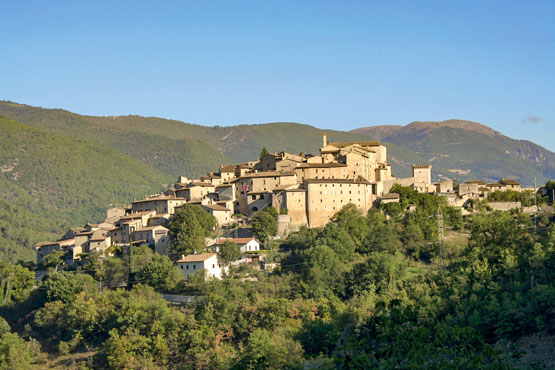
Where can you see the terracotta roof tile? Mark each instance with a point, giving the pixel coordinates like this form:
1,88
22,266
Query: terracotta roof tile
197,257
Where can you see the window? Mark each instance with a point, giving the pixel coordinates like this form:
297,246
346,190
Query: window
194,267
182,267
213,266
187,267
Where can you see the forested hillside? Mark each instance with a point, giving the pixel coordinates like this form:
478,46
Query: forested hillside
377,290
179,148
50,182
461,150
465,150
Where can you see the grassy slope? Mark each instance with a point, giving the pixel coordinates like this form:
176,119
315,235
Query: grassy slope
161,146
50,182
179,148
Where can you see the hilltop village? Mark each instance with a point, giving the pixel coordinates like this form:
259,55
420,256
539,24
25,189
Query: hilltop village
307,190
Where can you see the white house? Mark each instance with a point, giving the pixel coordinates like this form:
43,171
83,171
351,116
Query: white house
246,244
195,262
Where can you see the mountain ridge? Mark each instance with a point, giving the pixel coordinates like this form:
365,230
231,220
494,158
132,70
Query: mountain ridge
469,150
180,148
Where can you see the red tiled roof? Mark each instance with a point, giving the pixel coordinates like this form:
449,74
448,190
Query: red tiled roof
238,241
197,257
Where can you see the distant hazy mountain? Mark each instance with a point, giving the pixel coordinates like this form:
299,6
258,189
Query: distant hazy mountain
469,150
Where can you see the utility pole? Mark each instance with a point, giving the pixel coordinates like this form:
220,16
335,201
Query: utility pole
130,274
536,207
440,233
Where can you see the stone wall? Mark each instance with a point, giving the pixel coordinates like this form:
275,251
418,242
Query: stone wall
504,206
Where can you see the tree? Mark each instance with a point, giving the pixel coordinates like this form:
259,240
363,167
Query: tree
264,225
263,153
267,350
338,239
128,351
161,274
54,259
16,282
4,326
229,252
272,211
139,257
15,352
350,219
63,285
190,225
380,271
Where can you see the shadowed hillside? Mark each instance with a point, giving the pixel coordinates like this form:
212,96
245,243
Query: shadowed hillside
50,182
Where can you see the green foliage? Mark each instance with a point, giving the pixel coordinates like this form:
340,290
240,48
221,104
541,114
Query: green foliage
263,153
53,183
128,351
350,219
345,296
229,252
381,235
4,326
161,274
139,257
16,283
15,352
188,228
64,285
378,273
54,259
267,350
272,211
526,197
264,225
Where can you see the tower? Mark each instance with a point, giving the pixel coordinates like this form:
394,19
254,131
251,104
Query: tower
422,173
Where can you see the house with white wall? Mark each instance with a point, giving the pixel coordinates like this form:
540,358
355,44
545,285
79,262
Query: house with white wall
207,262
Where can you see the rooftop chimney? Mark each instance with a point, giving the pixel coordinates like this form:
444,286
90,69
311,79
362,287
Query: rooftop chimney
325,139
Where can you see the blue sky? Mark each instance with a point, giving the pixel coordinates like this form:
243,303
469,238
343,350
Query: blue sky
331,64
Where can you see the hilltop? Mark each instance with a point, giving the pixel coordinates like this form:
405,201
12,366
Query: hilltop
458,149
465,150
180,148
49,183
